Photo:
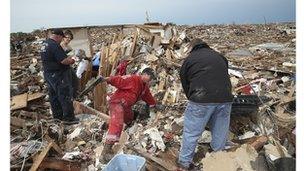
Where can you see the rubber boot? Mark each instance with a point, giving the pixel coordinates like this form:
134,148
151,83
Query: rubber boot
107,153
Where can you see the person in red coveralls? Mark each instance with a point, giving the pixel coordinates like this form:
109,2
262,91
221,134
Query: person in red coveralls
130,89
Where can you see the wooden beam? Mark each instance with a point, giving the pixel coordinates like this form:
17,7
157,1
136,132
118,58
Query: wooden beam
161,162
100,89
59,164
81,108
40,157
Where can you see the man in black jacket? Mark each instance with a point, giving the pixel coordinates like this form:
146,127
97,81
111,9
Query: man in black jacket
206,83
58,77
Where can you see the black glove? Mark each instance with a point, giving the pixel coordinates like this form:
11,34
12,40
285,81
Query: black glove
142,113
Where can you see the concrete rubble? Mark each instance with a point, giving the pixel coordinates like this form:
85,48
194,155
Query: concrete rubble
262,71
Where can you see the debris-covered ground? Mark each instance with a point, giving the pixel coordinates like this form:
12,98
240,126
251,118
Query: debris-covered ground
262,71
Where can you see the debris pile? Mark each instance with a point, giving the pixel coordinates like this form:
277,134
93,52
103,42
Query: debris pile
262,71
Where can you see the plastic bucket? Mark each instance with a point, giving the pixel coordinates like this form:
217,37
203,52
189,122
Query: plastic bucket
126,162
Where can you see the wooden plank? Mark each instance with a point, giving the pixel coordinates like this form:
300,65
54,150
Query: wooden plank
151,166
100,89
40,157
103,85
17,122
259,143
133,47
19,101
55,146
35,96
59,164
80,108
113,61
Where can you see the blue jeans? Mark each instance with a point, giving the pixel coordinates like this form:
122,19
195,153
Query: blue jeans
197,115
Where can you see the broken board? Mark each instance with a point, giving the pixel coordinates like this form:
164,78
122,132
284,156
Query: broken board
35,96
19,101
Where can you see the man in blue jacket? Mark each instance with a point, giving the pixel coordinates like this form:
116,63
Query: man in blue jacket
206,83
58,77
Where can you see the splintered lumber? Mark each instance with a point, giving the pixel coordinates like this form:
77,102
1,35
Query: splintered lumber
59,164
41,157
80,108
19,101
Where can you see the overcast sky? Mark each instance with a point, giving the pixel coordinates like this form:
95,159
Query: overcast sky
27,15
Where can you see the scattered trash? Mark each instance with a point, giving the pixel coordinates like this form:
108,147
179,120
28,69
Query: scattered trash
262,71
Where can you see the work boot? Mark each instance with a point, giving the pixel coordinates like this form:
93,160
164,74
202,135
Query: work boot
107,153
180,167
70,121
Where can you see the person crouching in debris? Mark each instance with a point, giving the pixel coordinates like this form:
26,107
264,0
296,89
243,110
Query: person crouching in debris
56,67
206,83
130,89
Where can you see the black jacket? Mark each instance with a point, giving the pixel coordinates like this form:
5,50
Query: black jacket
204,76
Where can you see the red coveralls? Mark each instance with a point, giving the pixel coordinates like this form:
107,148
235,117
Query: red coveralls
130,89
121,69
